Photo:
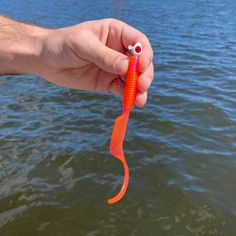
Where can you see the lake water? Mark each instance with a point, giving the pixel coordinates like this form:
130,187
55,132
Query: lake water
56,172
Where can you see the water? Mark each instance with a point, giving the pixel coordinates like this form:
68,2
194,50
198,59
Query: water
56,172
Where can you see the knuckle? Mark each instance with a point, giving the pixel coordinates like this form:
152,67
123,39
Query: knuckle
114,21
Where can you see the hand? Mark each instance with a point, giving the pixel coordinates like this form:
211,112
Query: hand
93,55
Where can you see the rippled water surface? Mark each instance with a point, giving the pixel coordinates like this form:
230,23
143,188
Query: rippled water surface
56,171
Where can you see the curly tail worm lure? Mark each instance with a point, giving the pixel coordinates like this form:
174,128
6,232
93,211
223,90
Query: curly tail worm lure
118,134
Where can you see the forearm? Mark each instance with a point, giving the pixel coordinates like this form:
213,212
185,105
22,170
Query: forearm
20,47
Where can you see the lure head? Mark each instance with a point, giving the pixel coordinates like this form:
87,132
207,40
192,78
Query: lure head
136,49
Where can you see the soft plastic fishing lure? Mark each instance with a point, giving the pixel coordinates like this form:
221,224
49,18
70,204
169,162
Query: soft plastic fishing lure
118,134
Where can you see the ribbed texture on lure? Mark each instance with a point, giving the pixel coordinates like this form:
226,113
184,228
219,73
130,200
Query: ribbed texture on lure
118,134
131,84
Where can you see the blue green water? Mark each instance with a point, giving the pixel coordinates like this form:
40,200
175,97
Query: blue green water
56,172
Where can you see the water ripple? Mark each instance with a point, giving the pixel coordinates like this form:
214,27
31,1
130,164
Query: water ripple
56,172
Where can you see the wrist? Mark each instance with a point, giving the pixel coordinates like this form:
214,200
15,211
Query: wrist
30,55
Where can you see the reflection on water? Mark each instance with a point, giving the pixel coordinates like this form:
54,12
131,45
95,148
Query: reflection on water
56,172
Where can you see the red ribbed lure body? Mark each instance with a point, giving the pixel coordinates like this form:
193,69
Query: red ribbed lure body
131,84
118,134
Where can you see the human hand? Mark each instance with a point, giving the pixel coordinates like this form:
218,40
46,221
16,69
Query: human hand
93,55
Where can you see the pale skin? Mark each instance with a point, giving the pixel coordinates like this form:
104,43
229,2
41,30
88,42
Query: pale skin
92,55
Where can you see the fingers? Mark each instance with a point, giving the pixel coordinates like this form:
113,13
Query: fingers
130,36
120,31
146,78
141,99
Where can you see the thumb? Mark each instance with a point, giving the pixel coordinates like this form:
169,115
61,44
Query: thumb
108,59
